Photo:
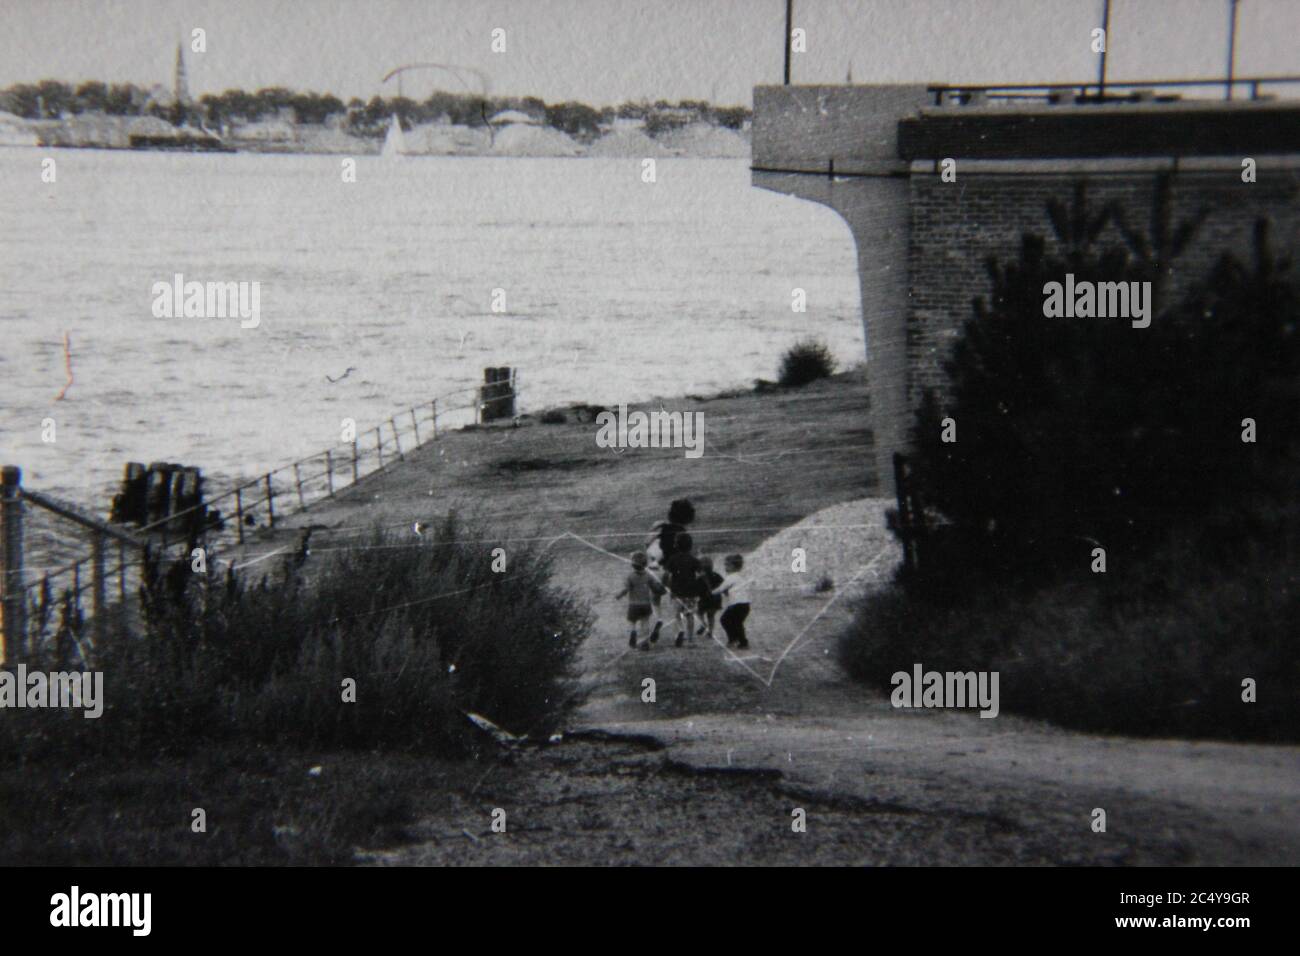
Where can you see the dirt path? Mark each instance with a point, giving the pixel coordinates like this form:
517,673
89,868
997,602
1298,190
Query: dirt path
711,771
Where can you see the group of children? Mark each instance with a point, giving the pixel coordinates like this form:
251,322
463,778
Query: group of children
691,582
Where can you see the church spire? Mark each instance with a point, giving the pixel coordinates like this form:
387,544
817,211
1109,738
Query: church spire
182,90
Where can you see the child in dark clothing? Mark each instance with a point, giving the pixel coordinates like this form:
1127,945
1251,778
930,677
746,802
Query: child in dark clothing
683,569
663,542
664,534
710,603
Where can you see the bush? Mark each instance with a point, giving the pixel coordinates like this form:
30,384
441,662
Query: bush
427,631
1076,432
1156,648
805,362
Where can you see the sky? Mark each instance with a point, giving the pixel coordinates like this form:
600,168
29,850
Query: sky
607,51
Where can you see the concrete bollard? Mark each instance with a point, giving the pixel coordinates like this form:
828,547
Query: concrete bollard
130,504
158,487
497,395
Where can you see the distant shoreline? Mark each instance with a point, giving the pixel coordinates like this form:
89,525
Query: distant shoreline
699,140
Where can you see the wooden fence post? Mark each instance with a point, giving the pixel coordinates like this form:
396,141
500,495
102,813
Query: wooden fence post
121,587
297,480
270,502
98,597
434,405
397,439
13,599
329,472
415,423
911,514
355,473
379,445
239,512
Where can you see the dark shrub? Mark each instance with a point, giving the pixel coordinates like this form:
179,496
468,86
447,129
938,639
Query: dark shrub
805,362
1073,433
1078,433
427,631
1156,647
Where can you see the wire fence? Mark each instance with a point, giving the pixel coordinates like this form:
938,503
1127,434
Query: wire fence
81,553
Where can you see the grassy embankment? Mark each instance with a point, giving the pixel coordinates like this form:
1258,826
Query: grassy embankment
234,696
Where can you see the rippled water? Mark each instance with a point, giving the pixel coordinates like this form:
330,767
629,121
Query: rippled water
615,290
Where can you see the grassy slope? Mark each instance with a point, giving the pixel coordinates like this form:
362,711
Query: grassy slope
804,450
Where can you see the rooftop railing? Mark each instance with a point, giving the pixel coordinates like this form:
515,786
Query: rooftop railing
1118,91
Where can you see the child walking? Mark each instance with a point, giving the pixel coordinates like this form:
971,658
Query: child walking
683,569
710,603
643,591
736,591
662,543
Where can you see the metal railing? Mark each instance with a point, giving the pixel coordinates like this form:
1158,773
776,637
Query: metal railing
219,520
1097,92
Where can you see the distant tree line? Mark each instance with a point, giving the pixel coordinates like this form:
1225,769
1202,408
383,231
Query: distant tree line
51,99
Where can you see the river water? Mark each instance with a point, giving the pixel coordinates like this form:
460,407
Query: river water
612,289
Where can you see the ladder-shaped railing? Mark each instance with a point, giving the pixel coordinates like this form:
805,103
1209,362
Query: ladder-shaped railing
111,567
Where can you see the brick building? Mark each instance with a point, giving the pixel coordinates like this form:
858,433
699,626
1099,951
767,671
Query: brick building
875,155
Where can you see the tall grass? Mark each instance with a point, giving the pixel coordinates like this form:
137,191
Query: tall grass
424,627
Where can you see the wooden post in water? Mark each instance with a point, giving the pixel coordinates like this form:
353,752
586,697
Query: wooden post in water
13,600
270,502
98,595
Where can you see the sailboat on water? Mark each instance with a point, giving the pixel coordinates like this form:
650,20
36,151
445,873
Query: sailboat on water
394,142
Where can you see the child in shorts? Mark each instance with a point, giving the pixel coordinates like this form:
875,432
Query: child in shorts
643,591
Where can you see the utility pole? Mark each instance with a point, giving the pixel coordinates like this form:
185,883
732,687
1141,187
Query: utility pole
1232,49
789,28
1105,42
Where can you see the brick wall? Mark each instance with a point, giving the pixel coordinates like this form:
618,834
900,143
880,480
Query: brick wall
955,227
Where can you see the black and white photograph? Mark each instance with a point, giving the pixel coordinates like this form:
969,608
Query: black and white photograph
530,434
